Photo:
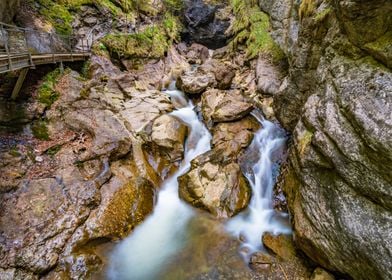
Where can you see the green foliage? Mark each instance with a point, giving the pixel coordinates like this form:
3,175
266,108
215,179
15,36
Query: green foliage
60,12
40,130
251,28
152,42
173,5
46,92
53,150
172,27
58,15
85,69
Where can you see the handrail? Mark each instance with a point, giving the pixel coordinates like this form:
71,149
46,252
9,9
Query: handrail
20,41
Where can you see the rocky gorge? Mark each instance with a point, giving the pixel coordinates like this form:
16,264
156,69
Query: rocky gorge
86,153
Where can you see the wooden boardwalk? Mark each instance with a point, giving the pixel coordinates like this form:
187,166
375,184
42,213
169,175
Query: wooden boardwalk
24,48
19,61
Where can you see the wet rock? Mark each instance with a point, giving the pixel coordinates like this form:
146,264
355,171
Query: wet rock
231,137
51,209
145,74
144,107
223,106
206,23
224,75
261,262
195,81
169,134
195,54
127,198
321,274
215,186
337,183
269,77
109,133
281,245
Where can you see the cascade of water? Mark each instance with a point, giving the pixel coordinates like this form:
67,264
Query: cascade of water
145,251
261,171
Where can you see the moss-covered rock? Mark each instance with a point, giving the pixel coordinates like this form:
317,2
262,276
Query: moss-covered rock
47,93
152,42
251,28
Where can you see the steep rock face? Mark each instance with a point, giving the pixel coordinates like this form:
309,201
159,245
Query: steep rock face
8,9
337,100
207,23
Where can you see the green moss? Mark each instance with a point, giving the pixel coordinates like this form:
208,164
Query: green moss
40,130
173,5
60,12
322,15
251,28
172,27
14,152
46,92
53,150
58,15
304,140
153,42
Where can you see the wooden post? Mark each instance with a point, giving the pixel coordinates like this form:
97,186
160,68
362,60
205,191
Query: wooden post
28,49
19,83
51,47
7,50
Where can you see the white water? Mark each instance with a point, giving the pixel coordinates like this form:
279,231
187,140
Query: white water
144,254
150,246
261,170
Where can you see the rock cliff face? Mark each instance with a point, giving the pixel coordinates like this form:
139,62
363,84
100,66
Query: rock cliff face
337,101
8,9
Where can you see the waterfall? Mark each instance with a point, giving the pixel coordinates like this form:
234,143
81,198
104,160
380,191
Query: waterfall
260,217
149,247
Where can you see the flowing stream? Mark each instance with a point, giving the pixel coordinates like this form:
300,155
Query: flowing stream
261,169
145,251
151,245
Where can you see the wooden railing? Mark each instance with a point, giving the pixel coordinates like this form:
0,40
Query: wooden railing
25,47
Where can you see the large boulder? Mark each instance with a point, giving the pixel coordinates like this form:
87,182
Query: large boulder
195,81
232,137
222,106
337,101
215,185
206,23
169,134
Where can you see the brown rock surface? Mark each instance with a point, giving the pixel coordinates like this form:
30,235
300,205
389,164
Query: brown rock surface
223,106
231,137
169,134
215,186
195,81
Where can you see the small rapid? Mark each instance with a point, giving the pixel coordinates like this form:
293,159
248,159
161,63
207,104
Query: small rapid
152,245
162,234
261,168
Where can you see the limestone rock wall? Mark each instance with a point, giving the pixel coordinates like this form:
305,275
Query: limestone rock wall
337,101
8,9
